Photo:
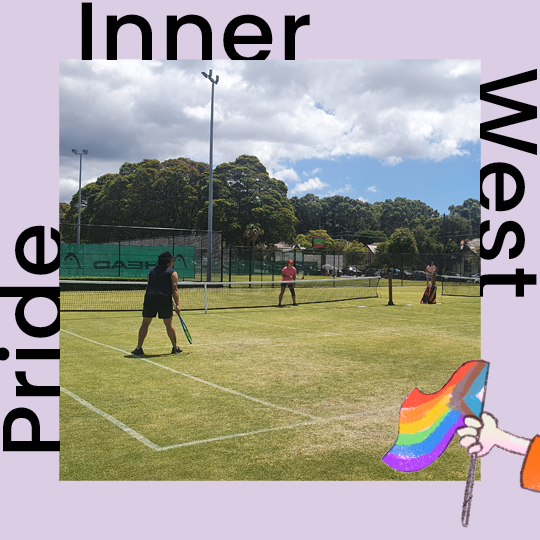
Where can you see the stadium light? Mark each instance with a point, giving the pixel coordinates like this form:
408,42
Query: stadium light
211,178
83,153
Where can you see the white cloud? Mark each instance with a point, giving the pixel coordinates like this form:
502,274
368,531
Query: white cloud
345,189
392,161
310,186
363,199
372,189
390,110
285,175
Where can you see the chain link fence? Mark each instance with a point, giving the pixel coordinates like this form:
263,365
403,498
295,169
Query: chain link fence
107,252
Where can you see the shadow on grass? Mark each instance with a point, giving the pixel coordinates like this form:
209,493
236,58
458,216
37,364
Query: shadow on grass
164,355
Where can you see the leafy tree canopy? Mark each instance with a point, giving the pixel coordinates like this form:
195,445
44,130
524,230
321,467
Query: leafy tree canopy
401,241
174,193
250,196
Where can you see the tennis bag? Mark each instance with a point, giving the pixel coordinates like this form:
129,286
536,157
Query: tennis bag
432,295
425,297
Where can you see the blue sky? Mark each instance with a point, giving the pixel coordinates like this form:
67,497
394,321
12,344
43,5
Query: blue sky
438,184
367,129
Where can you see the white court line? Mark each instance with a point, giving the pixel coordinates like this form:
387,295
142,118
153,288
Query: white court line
197,379
112,419
311,423
158,448
224,437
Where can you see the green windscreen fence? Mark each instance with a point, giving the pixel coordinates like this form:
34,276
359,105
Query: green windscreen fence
116,260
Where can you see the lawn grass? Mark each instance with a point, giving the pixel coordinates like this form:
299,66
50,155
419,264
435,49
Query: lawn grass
300,393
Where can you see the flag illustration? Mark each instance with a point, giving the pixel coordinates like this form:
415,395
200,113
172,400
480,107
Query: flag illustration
428,422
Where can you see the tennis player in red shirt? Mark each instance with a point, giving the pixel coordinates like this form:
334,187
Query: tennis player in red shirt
288,275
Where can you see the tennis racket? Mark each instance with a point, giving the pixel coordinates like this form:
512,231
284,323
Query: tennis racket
300,274
186,331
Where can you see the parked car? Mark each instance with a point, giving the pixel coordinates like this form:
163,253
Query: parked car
351,271
407,274
449,276
372,272
419,275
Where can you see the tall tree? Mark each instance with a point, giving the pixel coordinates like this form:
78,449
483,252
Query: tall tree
402,241
355,253
426,241
253,197
309,212
470,210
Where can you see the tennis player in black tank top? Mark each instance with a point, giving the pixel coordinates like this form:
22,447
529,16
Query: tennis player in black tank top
161,290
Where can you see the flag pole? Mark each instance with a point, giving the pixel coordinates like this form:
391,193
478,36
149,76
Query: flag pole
469,484
390,303
467,498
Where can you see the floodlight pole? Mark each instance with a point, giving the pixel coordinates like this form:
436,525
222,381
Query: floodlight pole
83,153
211,178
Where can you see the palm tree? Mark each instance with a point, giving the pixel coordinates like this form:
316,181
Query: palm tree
252,233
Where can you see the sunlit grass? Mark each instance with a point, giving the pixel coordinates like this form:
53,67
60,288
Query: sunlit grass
326,382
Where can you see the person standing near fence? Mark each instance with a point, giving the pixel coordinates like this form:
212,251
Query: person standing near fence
430,271
161,290
288,275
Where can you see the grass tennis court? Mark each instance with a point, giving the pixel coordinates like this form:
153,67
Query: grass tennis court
300,393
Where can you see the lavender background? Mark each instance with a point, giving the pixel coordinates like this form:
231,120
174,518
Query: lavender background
34,503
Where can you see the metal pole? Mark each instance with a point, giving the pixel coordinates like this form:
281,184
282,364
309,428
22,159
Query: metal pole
84,152
211,178
79,207
210,192
221,257
119,251
444,232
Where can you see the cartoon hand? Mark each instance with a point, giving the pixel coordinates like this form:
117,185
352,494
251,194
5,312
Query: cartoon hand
480,436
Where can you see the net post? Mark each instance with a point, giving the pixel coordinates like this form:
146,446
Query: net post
230,264
390,303
119,251
250,262
205,298
221,251
202,258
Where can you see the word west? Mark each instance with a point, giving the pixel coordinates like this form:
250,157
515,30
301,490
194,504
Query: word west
502,204
26,294
230,39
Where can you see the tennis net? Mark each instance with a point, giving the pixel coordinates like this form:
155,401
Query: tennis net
128,296
460,286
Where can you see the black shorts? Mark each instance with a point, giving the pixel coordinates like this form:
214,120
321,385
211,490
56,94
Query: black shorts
284,284
157,305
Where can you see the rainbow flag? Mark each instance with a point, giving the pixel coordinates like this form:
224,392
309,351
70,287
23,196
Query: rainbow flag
427,422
